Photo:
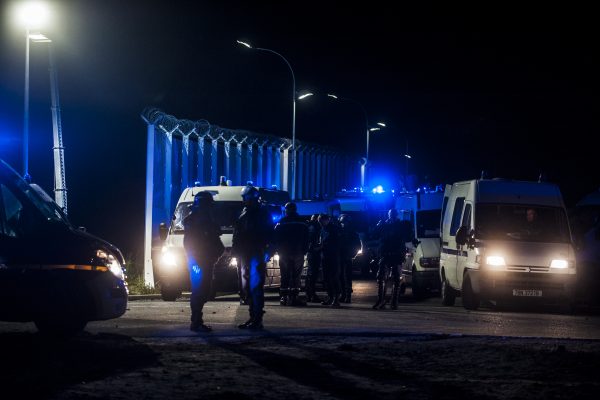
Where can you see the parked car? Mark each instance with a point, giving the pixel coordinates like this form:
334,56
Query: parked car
52,273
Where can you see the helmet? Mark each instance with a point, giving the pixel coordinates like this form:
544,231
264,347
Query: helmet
249,192
203,198
393,213
291,207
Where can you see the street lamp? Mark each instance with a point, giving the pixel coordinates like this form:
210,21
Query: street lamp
31,15
248,45
368,130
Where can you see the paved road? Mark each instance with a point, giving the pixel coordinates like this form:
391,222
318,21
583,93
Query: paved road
155,318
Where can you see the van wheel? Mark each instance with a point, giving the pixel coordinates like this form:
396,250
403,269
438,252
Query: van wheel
418,290
469,299
448,294
170,293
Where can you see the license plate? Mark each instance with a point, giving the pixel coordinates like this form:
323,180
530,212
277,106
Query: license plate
527,293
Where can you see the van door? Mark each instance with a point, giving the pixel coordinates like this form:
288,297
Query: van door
450,248
462,254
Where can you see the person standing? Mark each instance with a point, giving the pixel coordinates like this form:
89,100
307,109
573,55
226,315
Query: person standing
330,258
203,248
252,234
313,258
350,245
291,243
393,235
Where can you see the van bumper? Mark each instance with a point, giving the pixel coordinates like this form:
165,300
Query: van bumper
501,285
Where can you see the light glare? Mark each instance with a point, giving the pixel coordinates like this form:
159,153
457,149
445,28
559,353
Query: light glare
559,264
495,261
32,14
244,44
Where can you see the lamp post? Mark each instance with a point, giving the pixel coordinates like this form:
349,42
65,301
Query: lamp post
246,44
368,133
31,15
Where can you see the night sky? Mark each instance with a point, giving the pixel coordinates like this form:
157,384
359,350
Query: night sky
511,96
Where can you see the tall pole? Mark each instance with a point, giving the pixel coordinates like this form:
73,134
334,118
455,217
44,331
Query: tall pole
26,111
293,162
60,184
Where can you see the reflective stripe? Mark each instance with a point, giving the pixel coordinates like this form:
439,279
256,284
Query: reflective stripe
76,267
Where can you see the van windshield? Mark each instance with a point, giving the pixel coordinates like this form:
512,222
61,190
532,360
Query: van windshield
225,214
428,223
525,223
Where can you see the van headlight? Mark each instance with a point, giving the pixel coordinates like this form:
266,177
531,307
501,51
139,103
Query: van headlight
233,262
559,264
495,261
112,263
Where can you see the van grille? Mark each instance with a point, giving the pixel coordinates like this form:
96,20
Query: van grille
520,268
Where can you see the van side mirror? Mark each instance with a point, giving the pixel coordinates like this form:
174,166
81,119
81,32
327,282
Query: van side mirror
163,231
462,235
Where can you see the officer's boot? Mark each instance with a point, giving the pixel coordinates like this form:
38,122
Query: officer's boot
295,299
380,295
348,296
247,324
336,300
395,294
257,322
197,324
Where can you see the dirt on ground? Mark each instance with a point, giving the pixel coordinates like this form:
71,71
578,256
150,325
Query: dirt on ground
312,366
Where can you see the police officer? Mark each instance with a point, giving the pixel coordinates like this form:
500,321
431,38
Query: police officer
392,234
203,248
330,259
251,237
313,258
350,245
291,243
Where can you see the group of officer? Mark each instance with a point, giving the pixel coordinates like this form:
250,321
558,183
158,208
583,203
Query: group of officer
328,244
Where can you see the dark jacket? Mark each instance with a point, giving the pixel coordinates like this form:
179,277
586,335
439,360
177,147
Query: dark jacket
350,242
291,235
330,241
314,236
202,234
252,232
393,235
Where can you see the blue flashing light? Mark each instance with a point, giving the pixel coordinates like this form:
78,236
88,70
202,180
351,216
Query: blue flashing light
378,189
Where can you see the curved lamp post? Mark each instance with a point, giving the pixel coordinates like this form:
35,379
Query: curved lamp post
246,44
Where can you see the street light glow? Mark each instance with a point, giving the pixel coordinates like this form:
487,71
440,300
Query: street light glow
39,38
332,95
305,96
375,129
407,156
32,14
381,124
244,44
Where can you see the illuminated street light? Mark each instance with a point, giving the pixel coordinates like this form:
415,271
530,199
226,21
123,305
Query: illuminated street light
381,124
303,96
31,15
248,45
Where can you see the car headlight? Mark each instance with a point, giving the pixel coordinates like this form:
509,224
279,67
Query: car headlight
168,258
112,263
276,257
559,264
495,261
233,262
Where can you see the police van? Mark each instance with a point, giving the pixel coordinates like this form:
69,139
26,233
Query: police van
171,267
52,273
505,240
421,267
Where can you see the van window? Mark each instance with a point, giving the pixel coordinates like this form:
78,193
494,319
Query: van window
525,223
225,214
466,220
428,224
458,207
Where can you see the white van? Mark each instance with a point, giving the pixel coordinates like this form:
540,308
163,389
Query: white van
421,268
172,268
504,239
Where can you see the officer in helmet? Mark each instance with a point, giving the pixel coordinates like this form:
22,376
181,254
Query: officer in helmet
291,243
203,248
252,235
393,235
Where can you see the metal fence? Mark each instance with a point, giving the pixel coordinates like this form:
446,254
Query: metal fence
181,152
